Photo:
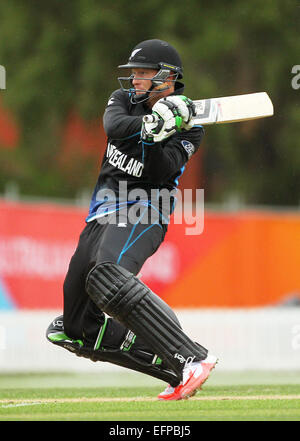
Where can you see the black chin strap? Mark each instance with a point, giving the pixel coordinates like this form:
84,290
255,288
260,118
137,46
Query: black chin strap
136,99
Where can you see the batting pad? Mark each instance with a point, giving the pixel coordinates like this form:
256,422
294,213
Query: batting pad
123,296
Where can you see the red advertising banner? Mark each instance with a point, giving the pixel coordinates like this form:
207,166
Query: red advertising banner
240,260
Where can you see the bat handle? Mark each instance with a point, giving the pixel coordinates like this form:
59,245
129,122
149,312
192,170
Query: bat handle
150,118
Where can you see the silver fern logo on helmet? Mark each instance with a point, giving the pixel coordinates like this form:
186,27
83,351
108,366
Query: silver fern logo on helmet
135,51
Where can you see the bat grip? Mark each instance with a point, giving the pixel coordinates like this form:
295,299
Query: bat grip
150,118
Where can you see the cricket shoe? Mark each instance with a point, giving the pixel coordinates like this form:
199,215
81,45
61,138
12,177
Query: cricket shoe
56,335
193,377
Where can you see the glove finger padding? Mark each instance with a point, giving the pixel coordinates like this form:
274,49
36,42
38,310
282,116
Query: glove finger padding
168,111
168,121
149,129
172,114
186,109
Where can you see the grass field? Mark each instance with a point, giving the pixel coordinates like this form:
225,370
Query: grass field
122,397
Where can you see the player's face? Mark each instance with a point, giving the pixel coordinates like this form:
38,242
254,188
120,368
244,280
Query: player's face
142,79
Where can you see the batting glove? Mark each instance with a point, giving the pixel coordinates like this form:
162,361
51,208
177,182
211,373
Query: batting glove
169,115
186,109
164,121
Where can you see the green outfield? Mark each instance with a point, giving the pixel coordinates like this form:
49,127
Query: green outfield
247,396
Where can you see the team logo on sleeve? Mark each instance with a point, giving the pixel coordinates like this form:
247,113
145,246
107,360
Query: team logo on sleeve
110,101
188,147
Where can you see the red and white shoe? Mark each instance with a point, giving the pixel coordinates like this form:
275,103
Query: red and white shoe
194,375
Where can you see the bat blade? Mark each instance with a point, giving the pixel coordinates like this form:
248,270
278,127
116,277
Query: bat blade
233,108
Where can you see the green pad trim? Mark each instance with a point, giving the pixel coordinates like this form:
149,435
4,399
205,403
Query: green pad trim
61,336
100,335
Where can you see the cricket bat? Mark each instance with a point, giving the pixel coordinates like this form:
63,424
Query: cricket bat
230,109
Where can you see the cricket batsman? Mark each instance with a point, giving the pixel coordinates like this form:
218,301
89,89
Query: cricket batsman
109,314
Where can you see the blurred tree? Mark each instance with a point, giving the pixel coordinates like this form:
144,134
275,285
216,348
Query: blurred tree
62,57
